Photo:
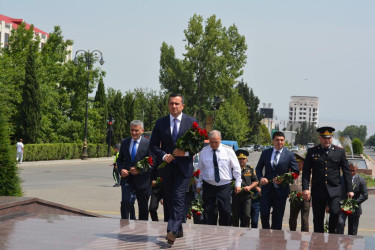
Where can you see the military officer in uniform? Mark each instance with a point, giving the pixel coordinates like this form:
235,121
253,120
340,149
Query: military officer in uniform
241,202
323,164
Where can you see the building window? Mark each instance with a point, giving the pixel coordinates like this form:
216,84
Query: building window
7,25
6,39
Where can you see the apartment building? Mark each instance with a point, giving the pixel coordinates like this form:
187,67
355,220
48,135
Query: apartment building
8,23
303,109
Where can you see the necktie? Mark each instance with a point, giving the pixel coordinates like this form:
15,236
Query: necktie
134,150
174,133
216,167
275,158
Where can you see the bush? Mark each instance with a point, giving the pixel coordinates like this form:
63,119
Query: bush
357,146
62,151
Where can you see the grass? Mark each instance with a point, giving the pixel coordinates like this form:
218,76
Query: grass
369,180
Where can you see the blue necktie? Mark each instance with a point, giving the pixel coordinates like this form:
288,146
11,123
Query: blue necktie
275,159
174,133
134,150
216,167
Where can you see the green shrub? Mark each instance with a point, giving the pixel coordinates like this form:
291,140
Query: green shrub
357,146
62,151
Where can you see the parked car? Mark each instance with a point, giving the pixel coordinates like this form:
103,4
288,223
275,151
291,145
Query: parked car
266,147
249,148
295,149
258,148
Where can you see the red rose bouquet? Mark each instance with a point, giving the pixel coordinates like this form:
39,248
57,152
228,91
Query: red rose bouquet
295,198
144,165
348,206
286,178
196,208
191,141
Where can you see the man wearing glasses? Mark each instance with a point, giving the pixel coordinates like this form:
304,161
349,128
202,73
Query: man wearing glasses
323,164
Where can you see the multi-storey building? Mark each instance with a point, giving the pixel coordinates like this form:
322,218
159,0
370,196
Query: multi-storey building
303,109
8,23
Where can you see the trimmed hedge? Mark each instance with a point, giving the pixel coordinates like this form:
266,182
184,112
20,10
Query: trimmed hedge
62,151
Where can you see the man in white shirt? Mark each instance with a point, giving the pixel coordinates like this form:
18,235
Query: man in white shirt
218,164
20,151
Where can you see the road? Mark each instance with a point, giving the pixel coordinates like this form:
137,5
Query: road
88,185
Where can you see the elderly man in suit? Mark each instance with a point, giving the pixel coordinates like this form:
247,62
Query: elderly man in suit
360,195
274,162
132,150
177,173
323,164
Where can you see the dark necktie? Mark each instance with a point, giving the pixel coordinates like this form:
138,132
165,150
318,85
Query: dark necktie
134,150
275,158
216,167
174,133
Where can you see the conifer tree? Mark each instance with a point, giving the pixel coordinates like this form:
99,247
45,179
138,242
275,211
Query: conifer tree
30,118
10,183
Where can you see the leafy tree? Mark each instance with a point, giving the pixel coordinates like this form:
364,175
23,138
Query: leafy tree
100,104
252,102
354,131
10,183
231,119
31,100
214,59
370,141
357,146
119,107
264,135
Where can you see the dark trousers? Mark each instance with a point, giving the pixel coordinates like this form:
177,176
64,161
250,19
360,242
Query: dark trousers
175,186
304,207
188,199
241,205
220,196
143,195
254,212
116,175
127,201
353,221
156,196
319,203
278,207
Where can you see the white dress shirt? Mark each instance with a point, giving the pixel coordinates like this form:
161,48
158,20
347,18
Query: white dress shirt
178,120
229,167
131,145
278,156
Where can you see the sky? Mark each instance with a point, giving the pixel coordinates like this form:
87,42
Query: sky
322,48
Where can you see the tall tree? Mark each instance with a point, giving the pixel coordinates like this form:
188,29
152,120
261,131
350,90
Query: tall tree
231,119
354,131
31,100
252,102
214,59
100,103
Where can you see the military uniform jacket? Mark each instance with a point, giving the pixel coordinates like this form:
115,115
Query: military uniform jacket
324,171
248,176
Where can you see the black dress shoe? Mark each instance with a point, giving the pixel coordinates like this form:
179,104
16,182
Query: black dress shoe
171,237
179,234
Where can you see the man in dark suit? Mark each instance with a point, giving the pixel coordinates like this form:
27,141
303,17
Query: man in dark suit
132,150
177,173
274,162
322,164
360,195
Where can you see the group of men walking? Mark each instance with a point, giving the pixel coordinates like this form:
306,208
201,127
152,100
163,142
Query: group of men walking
227,184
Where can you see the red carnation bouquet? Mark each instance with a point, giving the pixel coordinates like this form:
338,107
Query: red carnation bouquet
196,208
191,141
348,206
144,165
295,198
196,174
286,178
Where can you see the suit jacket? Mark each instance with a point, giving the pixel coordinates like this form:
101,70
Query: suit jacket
124,161
325,171
287,162
360,192
161,143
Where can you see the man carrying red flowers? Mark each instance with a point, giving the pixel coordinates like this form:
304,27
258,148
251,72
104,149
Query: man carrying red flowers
360,195
296,207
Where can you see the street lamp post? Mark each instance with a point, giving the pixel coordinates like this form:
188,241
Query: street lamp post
88,61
